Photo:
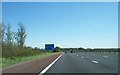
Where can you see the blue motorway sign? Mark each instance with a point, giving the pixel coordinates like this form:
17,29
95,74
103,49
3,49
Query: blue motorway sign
49,46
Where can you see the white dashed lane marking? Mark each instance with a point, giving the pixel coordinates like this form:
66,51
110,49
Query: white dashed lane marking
94,61
82,57
105,56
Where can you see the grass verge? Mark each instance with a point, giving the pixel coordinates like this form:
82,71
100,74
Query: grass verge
4,62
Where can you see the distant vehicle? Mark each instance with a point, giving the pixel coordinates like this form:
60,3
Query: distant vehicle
65,51
71,51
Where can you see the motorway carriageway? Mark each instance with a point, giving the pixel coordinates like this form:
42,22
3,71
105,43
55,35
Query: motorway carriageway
86,62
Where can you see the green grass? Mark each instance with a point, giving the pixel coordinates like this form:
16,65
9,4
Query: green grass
14,54
0,62
15,60
19,52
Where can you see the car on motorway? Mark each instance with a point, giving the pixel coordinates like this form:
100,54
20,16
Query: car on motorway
71,51
65,51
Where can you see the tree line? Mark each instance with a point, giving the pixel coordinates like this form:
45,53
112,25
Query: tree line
11,38
91,50
13,42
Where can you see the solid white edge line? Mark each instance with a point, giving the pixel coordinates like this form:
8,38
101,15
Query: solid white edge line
42,72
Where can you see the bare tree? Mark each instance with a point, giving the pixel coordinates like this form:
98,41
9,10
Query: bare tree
3,32
0,34
21,35
14,38
9,35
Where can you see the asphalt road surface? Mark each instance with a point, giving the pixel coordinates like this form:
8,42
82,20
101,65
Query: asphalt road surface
86,62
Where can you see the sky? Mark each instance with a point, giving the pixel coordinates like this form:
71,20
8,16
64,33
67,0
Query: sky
60,0
65,24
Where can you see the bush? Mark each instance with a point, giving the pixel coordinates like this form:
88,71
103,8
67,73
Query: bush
19,52
57,49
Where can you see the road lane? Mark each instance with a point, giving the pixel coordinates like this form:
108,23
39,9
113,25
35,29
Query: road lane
86,63
105,63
